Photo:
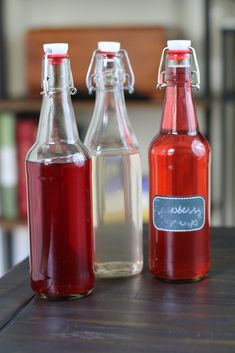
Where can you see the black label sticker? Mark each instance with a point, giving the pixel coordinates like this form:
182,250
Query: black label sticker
179,214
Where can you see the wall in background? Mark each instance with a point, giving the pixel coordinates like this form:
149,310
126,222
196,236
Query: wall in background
22,15
187,16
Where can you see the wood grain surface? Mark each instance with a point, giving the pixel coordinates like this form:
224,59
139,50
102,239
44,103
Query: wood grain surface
15,293
138,314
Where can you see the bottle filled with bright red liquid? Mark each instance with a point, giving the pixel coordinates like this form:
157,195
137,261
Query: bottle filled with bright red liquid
179,172
58,170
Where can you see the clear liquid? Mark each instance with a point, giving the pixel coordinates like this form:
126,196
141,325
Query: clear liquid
117,215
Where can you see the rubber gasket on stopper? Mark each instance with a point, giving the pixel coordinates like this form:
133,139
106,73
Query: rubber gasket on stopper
109,47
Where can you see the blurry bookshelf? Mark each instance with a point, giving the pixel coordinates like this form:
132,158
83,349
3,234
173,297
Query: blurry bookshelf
17,135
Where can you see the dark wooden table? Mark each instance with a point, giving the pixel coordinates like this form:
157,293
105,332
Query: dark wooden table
138,314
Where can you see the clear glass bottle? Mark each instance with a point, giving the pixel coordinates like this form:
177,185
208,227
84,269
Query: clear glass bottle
116,167
58,171
179,175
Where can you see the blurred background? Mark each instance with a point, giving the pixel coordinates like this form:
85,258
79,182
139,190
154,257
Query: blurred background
143,28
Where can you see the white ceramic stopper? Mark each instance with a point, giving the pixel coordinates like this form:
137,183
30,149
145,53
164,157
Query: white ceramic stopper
109,47
55,48
178,44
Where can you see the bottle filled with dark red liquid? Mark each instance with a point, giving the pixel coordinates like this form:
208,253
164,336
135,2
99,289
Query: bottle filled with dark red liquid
179,169
58,171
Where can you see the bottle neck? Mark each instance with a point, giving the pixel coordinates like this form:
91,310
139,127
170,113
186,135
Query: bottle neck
109,71
110,128
179,115
112,102
109,78
57,121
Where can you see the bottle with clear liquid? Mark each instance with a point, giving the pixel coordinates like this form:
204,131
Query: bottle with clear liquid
179,175
58,171
116,167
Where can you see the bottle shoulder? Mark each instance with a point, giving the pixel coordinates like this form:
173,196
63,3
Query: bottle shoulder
111,147
110,128
175,143
62,152
105,141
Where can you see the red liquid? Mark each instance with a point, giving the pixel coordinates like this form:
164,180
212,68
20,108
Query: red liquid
60,224
179,159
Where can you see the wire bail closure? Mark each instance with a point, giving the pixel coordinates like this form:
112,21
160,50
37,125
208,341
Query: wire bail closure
45,80
161,77
45,85
129,77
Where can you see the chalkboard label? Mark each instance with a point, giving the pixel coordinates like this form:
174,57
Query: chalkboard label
179,214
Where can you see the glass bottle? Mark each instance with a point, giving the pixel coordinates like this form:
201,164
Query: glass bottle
58,171
179,175
116,167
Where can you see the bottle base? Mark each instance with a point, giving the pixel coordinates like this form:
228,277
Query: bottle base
183,280
117,269
66,297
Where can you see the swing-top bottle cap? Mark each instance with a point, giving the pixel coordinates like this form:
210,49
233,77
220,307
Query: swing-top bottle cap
179,44
109,47
56,48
